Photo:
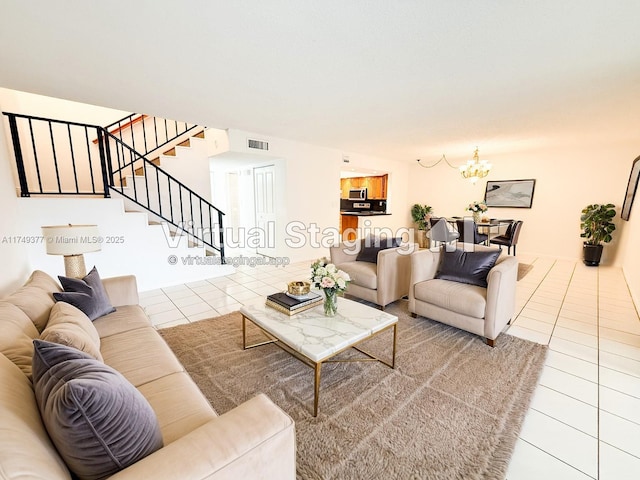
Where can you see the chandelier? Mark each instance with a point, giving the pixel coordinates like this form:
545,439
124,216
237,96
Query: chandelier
472,170
475,169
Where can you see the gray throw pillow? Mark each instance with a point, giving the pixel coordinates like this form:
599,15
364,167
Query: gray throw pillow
87,294
371,246
467,267
97,420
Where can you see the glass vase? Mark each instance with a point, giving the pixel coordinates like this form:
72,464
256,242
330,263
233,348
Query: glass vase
476,216
330,302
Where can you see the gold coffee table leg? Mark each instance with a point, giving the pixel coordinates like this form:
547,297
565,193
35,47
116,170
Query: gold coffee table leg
244,336
395,336
316,388
244,332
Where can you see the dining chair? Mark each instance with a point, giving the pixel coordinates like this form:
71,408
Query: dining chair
469,227
510,237
441,233
503,221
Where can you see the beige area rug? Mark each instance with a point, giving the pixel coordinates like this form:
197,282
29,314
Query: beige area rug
452,408
523,269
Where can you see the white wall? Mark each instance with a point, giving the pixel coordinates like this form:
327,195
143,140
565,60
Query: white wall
145,250
570,174
40,106
85,159
630,252
568,177
308,216
130,246
190,166
308,179
15,265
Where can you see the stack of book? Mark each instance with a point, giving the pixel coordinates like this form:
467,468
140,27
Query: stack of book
292,304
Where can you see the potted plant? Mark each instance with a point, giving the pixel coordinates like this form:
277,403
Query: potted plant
597,226
421,215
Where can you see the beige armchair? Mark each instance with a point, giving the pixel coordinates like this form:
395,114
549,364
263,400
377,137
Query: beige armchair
381,283
479,310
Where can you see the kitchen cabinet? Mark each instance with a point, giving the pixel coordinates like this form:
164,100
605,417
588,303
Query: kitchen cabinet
376,186
345,186
347,222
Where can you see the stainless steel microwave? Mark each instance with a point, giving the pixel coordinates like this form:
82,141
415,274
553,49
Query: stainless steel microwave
358,194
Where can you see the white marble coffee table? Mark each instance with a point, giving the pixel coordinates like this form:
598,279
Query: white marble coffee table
314,339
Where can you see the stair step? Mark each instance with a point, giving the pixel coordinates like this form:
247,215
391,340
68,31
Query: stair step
124,179
172,152
184,143
140,170
173,233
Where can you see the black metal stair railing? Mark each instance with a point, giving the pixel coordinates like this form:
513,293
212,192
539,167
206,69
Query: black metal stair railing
56,157
146,133
163,195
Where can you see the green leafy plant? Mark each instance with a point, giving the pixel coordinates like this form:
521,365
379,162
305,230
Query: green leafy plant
421,214
596,223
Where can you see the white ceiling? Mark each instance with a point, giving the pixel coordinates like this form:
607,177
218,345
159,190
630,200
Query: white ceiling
399,79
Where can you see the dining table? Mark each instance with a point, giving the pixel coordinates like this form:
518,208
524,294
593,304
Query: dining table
490,228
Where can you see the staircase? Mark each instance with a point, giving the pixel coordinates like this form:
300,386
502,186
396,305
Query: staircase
61,158
172,151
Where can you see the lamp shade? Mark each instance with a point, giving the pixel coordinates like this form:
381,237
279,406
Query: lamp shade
72,239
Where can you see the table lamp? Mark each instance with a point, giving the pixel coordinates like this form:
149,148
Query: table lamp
72,241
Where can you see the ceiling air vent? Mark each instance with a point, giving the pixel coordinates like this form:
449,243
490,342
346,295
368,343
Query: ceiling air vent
257,144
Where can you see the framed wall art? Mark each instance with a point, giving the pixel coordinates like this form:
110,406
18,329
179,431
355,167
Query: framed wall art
632,186
509,193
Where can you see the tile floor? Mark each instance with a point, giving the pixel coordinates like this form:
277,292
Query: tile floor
584,420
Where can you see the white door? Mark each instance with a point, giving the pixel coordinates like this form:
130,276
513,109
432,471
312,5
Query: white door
264,186
232,219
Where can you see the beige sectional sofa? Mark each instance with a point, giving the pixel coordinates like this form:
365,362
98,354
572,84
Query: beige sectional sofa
254,440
